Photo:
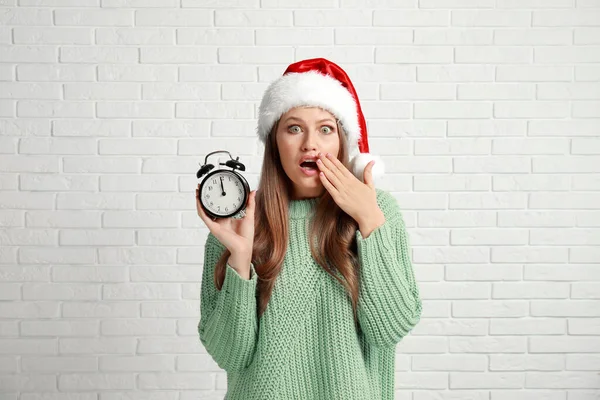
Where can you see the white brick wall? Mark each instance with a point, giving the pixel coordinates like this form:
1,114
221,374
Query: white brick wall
487,113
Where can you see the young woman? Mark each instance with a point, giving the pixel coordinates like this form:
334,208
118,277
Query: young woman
307,296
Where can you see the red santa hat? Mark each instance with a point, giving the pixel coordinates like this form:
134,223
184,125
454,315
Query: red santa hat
321,83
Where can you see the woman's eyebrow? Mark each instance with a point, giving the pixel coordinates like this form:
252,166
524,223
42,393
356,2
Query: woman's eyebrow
301,120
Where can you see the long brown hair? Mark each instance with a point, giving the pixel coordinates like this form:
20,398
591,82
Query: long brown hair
335,248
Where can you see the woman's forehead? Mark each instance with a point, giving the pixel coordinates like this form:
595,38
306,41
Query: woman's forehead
307,110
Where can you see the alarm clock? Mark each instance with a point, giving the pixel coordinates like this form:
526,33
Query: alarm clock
223,193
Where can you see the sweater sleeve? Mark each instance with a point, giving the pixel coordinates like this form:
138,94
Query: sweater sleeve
228,324
389,304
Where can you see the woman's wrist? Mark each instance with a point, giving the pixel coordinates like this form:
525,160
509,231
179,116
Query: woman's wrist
241,263
370,224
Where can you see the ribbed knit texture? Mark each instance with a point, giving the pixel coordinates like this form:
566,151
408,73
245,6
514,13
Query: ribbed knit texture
305,346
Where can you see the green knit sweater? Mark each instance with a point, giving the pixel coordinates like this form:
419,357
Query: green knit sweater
305,346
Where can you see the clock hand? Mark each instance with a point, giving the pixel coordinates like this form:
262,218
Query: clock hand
222,188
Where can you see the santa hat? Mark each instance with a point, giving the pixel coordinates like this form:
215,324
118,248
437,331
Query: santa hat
321,83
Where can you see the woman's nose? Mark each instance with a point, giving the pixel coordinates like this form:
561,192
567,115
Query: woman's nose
310,140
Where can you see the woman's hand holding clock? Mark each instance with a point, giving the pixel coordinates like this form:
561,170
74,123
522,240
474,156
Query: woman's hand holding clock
235,234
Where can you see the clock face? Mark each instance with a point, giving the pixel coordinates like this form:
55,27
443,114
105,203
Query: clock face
222,193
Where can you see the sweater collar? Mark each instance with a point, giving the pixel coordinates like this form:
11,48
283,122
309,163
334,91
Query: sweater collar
299,209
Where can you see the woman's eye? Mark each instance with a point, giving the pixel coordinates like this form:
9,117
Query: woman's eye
297,129
291,128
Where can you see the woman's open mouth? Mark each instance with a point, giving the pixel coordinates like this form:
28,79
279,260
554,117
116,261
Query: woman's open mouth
309,168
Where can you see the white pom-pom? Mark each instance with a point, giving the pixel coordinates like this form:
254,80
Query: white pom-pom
360,161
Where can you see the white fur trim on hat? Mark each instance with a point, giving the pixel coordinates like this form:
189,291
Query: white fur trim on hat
360,161
310,88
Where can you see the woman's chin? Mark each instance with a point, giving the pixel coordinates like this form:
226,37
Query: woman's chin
310,181
310,185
